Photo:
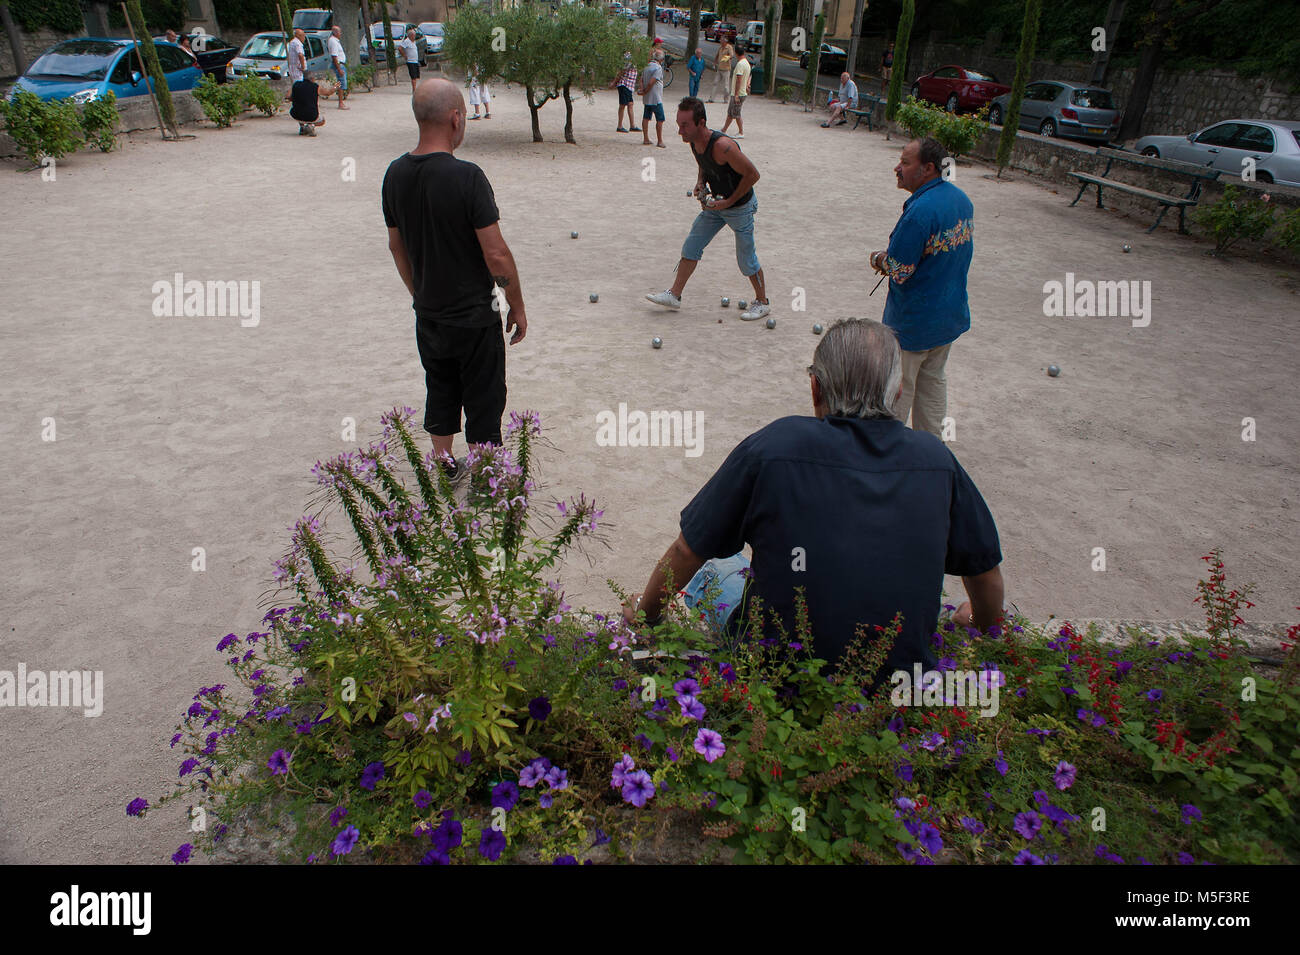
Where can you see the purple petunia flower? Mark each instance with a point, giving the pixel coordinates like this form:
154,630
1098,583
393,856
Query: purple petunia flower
279,762
686,687
1025,857
137,807
709,744
228,641
691,707
189,766
621,769
645,741
895,724
546,800
1190,814
904,772
345,841
1065,774
931,741
182,855
1154,694
1000,764
972,825
337,815
447,836
422,799
1028,824
532,774
557,778
1040,798
930,839
539,708
905,804
673,755
504,795
619,684
638,788
463,758
434,857
371,775
565,860
491,844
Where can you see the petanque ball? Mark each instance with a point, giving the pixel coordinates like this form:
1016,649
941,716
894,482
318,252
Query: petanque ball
817,329
742,304
593,297
1053,371
657,342
1128,248
726,302
573,235
771,323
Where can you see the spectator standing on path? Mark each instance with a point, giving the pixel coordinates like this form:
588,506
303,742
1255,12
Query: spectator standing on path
297,59
410,51
479,95
927,262
724,61
847,98
695,67
725,188
652,99
339,61
879,514
740,77
445,237
626,85
887,63
306,108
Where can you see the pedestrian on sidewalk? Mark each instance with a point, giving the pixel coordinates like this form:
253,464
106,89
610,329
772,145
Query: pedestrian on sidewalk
410,51
740,78
339,62
695,67
652,99
723,63
626,85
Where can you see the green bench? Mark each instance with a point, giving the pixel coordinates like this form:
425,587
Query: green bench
1195,175
866,107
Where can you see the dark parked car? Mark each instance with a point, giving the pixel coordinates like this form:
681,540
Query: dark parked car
213,53
707,19
831,62
1058,108
718,31
956,88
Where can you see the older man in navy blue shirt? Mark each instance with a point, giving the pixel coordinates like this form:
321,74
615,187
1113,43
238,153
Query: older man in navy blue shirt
863,513
927,262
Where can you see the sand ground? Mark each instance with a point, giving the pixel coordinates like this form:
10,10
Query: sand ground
176,433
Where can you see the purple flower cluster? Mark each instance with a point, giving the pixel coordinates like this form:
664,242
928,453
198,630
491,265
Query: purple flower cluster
372,774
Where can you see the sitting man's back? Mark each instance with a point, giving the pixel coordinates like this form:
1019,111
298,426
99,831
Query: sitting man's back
863,513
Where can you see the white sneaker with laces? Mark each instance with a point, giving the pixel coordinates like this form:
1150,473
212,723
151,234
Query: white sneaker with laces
665,298
756,311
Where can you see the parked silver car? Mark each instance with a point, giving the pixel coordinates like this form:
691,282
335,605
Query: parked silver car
1058,108
266,55
1274,145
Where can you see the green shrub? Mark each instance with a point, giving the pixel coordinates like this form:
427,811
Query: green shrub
42,128
99,121
221,102
786,92
361,76
256,93
959,133
1236,216
1288,233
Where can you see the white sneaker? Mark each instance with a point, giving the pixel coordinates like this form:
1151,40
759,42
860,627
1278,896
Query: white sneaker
665,298
756,311
738,136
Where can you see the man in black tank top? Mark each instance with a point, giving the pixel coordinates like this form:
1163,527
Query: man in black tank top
725,188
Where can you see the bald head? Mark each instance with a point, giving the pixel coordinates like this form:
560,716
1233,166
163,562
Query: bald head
435,101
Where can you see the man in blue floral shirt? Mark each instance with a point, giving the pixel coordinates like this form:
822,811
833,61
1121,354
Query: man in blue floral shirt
927,262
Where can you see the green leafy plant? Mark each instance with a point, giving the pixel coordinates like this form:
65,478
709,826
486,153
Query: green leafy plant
901,40
256,93
1024,63
786,92
359,76
221,102
814,60
42,128
1288,233
1236,216
99,121
959,134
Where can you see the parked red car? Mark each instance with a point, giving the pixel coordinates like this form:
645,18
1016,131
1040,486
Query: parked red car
956,88
718,31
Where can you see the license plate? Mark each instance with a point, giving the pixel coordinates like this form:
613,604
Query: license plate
1095,129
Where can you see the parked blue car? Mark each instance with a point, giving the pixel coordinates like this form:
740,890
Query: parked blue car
86,68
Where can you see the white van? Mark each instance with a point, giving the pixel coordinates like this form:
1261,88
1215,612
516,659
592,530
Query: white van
750,40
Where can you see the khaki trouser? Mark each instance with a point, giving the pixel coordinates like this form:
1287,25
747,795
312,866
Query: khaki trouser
721,82
925,389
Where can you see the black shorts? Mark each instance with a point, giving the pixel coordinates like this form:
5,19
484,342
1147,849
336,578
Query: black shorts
464,368
414,70
624,96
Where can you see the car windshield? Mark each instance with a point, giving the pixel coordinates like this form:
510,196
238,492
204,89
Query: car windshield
1296,134
265,47
976,75
311,19
1093,99
79,59
431,29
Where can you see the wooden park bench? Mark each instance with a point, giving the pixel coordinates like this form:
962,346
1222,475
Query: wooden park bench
866,107
1195,175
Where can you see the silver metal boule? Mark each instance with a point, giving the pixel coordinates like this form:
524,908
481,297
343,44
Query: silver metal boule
593,296
817,329
1128,248
726,302
742,304
1053,371
573,235
771,323
657,342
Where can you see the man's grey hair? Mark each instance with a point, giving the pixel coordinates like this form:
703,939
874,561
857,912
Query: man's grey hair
931,151
859,368
658,55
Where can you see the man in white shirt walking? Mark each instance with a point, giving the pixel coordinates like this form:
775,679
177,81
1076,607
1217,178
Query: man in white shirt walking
339,59
297,60
410,51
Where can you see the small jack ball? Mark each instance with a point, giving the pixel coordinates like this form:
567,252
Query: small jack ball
593,297
657,342
1053,371
771,323
1128,248
573,235
726,302
742,304
817,329
719,321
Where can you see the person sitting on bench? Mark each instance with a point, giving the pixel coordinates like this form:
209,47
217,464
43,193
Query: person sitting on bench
846,98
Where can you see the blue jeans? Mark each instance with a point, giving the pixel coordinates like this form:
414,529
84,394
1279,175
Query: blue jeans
727,577
710,222
693,86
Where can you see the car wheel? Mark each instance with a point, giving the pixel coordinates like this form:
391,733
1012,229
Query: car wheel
951,105
1152,152
995,115
1048,128
1263,177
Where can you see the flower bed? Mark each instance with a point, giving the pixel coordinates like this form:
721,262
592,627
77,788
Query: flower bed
434,699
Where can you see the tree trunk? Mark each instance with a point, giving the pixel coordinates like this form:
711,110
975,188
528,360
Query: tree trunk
650,21
568,117
1148,62
693,36
15,40
153,68
901,41
345,17
390,49
533,108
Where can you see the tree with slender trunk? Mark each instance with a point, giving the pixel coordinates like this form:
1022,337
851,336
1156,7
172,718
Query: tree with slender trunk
345,18
650,21
390,51
1024,60
771,25
901,39
15,39
1160,33
814,61
693,34
152,67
